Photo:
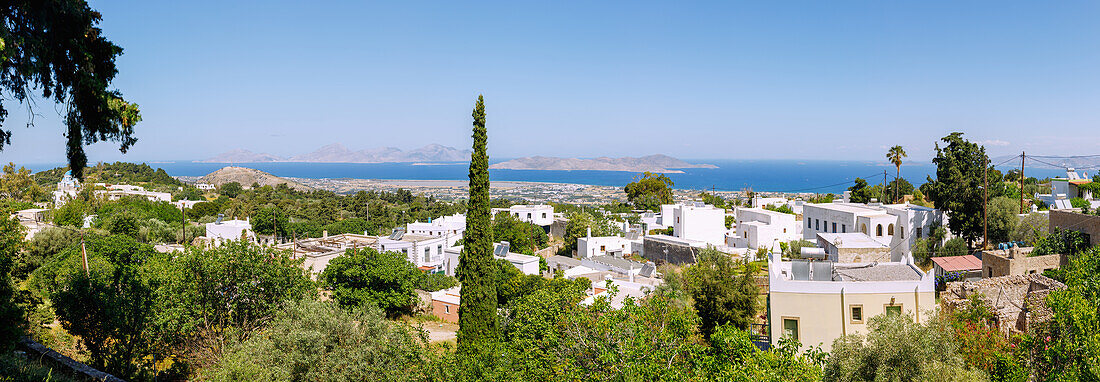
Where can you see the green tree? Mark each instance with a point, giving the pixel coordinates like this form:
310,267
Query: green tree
712,199
11,239
649,191
477,314
898,349
895,156
270,220
524,237
19,185
723,291
1031,228
230,190
213,294
318,341
56,47
365,276
1002,218
861,193
112,308
900,186
957,188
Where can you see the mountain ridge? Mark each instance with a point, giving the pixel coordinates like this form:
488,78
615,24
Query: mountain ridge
656,163
338,153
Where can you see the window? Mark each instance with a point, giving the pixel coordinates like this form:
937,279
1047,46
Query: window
920,232
790,328
528,216
784,230
856,313
893,309
809,223
863,228
447,309
834,227
817,224
890,230
843,228
990,272
878,230
439,248
603,248
544,215
427,254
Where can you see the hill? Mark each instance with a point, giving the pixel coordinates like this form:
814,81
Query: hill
652,163
247,176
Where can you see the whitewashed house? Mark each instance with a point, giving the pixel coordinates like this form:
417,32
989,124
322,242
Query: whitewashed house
450,227
761,228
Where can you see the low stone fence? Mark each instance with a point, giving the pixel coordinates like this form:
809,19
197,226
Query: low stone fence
62,363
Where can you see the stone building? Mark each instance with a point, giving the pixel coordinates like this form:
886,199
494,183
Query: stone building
1018,301
1018,261
1076,221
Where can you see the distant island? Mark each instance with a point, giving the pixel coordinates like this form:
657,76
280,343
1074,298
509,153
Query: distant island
652,163
337,153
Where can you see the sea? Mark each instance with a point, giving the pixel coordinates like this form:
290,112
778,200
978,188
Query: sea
792,176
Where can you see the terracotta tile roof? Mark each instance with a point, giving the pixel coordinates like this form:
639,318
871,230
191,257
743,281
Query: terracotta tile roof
958,263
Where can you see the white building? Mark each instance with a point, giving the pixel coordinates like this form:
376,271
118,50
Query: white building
450,227
816,302
205,186
757,227
537,214
67,189
528,265
221,231
895,225
119,191
698,221
426,252
1064,189
590,246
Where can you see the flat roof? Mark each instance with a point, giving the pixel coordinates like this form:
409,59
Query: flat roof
617,262
854,208
851,240
958,263
876,272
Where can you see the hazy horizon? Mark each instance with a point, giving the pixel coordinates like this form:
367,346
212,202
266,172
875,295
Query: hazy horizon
717,81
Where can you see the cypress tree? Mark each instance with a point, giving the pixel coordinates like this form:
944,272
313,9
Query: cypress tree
477,314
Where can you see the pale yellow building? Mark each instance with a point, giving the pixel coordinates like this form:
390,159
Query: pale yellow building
817,302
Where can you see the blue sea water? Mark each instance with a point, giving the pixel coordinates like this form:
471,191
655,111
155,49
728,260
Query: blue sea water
731,175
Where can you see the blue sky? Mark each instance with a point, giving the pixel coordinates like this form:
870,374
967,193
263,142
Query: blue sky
799,80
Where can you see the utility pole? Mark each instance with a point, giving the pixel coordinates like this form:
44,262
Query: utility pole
985,203
84,254
883,187
183,211
1022,155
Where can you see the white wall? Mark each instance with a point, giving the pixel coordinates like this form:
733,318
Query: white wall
703,223
600,245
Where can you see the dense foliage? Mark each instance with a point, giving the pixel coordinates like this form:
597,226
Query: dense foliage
365,277
958,186
649,191
724,292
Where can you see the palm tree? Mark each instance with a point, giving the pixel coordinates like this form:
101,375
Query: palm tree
895,156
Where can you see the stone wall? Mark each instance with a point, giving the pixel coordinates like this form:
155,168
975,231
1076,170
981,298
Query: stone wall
1076,221
1017,261
659,251
862,255
62,363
